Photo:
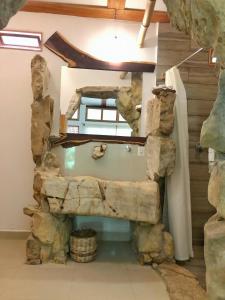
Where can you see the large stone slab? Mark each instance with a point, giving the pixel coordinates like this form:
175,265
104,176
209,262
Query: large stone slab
181,283
213,132
160,112
137,201
161,155
8,8
214,257
216,188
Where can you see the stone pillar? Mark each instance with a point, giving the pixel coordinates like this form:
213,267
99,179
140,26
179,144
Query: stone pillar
49,238
154,245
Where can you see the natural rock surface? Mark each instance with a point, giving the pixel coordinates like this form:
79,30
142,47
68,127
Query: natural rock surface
137,201
213,133
153,244
100,92
204,20
181,284
8,8
73,105
33,249
216,188
42,109
215,258
41,124
128,99
99,151
161,154
160,112
50,237
40,77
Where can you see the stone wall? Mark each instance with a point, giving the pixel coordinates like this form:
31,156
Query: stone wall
59,198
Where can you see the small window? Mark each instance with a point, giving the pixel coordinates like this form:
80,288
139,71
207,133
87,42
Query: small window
76,115
94,113
121,119
73,129
109,115
20,40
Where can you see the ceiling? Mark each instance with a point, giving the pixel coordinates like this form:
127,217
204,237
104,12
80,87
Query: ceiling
129,10
132,4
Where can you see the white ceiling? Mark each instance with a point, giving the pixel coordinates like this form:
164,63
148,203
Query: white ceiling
135,4
83,2
140,4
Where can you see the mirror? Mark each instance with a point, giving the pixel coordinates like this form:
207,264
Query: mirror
98,102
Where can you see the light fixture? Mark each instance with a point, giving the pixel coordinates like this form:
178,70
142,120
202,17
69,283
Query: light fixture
212,59
20,40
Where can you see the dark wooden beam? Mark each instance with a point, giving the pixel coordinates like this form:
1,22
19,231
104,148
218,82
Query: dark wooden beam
71,140
79,59
91,11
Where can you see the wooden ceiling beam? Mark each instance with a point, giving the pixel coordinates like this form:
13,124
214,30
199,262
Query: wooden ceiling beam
138,14
116,4
91,11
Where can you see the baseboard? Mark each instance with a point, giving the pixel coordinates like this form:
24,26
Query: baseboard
14,234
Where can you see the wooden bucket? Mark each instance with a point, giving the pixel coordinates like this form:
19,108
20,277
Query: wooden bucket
83,245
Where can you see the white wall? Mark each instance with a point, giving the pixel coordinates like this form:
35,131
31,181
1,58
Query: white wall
15,155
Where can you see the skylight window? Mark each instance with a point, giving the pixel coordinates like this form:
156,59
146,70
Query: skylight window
20,40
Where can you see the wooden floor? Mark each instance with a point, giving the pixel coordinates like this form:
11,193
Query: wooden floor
197,265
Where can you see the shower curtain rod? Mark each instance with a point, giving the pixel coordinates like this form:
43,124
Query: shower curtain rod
187,58
183,61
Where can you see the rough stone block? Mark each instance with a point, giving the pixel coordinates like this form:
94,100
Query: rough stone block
213,133
214,257
33,249
137,201
50,237
41,124
153,244
161,155
160,113
40,77
216,188
8,8
181,283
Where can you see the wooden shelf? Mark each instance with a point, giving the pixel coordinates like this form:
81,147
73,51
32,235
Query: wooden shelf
71,140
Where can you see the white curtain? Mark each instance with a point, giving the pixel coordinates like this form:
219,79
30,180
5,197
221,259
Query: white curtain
178,184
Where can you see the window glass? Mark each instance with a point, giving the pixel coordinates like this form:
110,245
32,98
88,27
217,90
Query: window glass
94,114
73,129
109,115
75,115
121,119
20,40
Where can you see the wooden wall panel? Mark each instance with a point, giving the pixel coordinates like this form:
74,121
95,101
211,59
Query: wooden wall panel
200,81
